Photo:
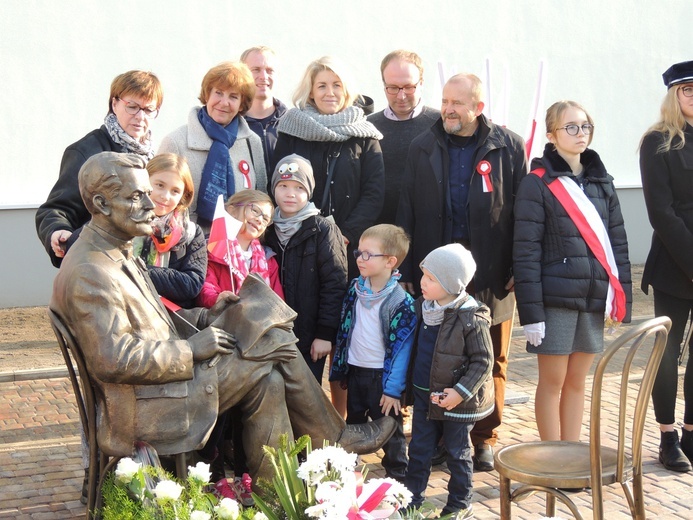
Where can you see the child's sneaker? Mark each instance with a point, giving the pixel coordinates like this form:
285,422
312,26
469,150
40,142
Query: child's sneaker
243,488
225,489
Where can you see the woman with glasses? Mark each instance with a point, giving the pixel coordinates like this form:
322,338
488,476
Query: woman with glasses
247,255
333,134
571,267
134,101
224,154
666,168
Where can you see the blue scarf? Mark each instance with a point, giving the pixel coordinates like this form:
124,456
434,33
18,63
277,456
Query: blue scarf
217,175
366,295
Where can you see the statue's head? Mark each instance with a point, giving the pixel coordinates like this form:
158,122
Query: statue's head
115,189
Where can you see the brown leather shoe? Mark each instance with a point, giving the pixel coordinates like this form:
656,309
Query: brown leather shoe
367,437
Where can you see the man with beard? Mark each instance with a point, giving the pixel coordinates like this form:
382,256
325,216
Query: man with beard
266,110
165,383
460,182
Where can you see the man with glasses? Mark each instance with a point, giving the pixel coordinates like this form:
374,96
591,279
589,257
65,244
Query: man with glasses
404,118
266,110
459,185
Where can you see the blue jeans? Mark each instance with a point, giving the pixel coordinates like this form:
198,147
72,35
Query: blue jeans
425,436
365,388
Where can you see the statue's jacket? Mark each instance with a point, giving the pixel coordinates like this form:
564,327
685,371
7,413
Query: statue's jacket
147,386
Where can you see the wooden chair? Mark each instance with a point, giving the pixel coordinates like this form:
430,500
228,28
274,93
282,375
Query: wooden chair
99,462
549,466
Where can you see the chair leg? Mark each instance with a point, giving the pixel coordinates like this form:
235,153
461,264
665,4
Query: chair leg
181,466
505,503
550,505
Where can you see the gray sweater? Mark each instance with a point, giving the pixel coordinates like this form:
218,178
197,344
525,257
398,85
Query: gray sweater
397,136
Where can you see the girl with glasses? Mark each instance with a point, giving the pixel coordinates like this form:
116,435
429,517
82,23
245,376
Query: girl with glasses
570,260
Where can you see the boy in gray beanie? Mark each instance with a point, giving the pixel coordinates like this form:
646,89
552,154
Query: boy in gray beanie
449,380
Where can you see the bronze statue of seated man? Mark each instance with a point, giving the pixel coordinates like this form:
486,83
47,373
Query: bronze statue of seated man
154,381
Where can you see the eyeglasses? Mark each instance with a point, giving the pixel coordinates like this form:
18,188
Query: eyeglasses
256,212
687,91
393,91
133,109
574,129
365,255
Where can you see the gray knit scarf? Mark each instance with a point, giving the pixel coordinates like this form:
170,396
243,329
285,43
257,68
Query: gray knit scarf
433,314
286,227
131,145
310,125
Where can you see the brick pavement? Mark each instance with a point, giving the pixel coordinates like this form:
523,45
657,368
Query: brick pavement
41,475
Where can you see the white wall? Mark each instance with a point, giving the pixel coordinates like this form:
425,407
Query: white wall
58,59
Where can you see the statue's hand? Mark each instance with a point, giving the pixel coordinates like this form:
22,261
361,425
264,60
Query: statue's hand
224,300
209,342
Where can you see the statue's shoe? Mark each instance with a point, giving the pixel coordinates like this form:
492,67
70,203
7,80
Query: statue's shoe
367,437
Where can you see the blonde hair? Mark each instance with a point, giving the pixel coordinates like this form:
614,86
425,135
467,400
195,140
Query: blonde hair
393,239
246,197
555,112
671,123
262,49
171,162
301,97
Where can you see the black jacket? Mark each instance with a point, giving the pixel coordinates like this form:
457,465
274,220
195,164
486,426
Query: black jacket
667,183
424,209
182,280
553,265
64,208
268,132
313,272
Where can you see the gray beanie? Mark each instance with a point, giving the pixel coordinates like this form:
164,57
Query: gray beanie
452,265
294,168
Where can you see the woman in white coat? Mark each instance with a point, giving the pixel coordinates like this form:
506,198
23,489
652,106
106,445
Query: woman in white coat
224,155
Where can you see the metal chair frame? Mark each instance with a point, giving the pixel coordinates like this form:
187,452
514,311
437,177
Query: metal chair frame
548,466
100,464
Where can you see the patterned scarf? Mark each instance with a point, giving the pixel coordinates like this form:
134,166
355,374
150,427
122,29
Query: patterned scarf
121,137
169,233
217,174
366,295
286,227
433,314
239,266
310,125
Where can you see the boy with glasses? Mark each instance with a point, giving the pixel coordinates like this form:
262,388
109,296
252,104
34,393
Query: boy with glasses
375,338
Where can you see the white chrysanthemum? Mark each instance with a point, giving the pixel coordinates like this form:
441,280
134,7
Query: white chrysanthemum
167,490
397,495
227,509
126,469
200,515
260,516
318,462
200,472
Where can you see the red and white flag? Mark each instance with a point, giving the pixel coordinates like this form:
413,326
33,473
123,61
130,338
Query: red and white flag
224,229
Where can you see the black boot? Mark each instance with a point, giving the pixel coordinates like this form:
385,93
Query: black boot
687,444
670,454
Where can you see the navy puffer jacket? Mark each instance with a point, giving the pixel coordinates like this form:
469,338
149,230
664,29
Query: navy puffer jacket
553,265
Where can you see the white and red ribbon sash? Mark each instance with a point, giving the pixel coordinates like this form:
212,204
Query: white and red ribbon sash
484,169
588,222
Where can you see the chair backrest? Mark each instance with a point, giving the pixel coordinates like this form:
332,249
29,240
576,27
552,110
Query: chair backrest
658,330
81,382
